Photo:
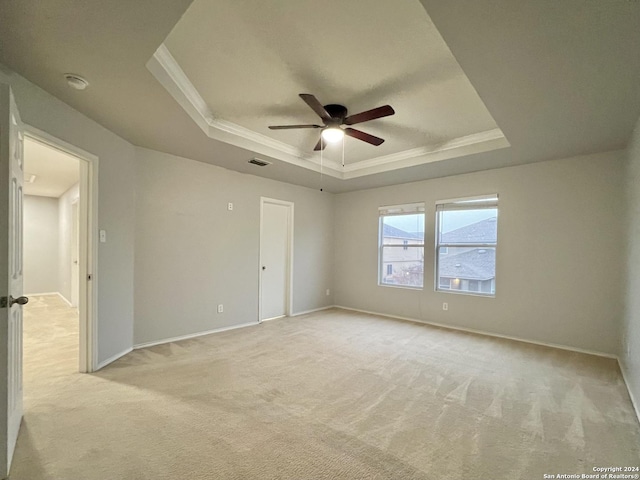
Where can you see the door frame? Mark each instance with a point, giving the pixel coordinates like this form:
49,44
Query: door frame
88,245
75,252
289,270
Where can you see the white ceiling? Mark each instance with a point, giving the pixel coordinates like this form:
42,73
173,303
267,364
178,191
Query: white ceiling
367,53
55,171
558,78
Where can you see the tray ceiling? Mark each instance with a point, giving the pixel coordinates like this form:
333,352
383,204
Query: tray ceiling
237,66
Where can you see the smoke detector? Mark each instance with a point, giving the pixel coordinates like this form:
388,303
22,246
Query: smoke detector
76,81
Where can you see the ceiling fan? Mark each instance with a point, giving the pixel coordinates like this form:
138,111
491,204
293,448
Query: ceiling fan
334,116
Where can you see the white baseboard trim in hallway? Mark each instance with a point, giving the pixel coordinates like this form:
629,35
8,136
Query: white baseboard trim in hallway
112,359
626,382
488,334
45,294
192,335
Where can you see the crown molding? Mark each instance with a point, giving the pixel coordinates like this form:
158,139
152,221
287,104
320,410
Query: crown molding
168,72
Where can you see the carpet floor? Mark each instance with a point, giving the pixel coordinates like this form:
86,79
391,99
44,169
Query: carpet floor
330,395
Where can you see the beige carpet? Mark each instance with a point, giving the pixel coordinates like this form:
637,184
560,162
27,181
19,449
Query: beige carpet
332,395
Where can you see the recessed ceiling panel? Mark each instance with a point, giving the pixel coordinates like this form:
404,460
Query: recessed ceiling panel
247,61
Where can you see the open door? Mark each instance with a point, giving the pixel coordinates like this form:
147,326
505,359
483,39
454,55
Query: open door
11,299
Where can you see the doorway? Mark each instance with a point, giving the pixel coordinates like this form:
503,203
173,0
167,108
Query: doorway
276,258
59,253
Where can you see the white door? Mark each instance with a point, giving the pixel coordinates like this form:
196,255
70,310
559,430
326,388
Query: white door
75,253
11,180
275,257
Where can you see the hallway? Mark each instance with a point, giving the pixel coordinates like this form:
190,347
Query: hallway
50,344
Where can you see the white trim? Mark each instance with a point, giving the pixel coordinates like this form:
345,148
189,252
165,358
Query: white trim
64,299
485,333
192,335
88,297
168,72
290,239
112,359
274,318
636,405
48,294
164,67
313,310
457,147
486,199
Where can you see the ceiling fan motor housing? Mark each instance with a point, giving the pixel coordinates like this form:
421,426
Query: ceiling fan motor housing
338,113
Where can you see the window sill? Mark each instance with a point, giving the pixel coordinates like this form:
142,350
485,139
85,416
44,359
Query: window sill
470,294
405,287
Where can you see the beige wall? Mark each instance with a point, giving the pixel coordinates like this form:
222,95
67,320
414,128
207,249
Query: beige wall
630,347
193,254
116,204
40,244
560,252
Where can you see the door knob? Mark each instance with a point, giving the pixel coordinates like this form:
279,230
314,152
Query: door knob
20,300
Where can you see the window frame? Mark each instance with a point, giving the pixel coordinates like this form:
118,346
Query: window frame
417,208
485,202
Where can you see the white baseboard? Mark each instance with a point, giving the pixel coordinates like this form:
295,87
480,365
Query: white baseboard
306,312
65,300
488,334
46,294
112,359
635,404
192,335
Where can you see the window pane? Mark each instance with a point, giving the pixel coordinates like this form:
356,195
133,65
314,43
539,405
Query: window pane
468,269
403,266
398,229
468,226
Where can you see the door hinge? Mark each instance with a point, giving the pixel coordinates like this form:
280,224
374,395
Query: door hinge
3,302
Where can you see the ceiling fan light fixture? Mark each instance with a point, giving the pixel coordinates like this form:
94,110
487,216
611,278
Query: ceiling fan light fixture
332,134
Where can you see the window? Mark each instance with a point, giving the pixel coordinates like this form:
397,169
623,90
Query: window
466,243
401,245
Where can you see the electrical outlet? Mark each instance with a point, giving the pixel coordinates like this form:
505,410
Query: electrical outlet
103,236
445,306
229,206
220,308
328,292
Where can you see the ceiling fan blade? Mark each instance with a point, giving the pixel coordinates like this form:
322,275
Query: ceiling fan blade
315,105
365,137
379,112
320,145
286,127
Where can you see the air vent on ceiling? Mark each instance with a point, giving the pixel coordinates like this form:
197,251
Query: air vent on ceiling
259,162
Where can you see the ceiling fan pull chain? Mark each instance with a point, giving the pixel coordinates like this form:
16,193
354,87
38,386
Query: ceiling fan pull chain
321,151
343,152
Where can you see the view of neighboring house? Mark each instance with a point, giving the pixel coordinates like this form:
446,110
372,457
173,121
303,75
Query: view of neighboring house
466,267
402,266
